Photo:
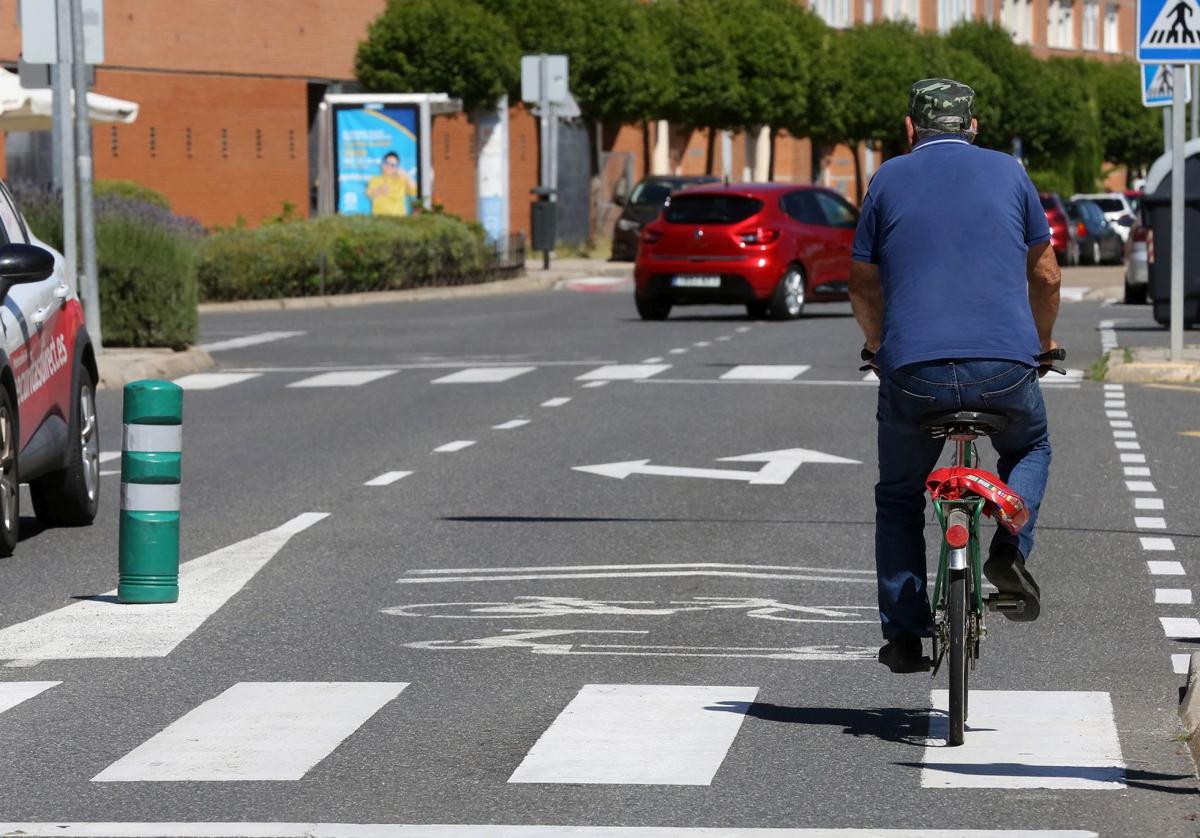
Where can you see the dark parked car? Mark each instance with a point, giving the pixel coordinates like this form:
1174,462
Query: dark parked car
769,247
643,206
1062,229
1099,242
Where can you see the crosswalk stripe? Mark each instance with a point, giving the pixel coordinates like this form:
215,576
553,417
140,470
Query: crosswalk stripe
1172,596
99,628
213,380
1026,739
228,829
255,731
1165,568
247,340
483,375
1161,545
1181,627
638,734
765,372
623,372
343,378
13,693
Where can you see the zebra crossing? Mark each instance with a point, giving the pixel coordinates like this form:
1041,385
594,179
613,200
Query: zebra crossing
796,374
607,734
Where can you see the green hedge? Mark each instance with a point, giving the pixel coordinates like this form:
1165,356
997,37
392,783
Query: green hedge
147,259
342,254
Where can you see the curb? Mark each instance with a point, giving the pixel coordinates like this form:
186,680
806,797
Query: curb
520,285
1189,707
120,366
1134,372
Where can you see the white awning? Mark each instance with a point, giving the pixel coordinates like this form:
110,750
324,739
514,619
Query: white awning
23,109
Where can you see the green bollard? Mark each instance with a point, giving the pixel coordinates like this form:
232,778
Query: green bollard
150,471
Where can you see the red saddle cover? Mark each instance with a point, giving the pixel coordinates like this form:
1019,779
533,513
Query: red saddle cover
1002,503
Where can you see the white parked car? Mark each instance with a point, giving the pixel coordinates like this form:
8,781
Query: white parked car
1117,208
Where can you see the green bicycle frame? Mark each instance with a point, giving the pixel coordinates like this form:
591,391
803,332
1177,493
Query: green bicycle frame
974,509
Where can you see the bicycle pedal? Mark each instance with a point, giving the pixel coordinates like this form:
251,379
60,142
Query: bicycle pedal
1011,603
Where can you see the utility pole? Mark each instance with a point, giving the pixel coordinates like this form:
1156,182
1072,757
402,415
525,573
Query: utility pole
64,164
89,286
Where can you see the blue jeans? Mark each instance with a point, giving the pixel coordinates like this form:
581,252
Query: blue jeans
907,456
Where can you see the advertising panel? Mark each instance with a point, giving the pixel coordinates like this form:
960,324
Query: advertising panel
377,158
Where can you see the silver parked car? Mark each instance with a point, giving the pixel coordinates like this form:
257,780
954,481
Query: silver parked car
1117,208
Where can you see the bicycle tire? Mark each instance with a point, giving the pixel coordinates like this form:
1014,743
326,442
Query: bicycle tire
958,655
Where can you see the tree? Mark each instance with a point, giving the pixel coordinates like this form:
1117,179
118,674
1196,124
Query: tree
455,46
708,89
1130,132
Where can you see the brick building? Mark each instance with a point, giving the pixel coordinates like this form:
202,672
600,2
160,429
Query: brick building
229,90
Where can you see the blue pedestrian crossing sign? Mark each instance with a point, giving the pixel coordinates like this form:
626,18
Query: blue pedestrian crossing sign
1158,85
1168,31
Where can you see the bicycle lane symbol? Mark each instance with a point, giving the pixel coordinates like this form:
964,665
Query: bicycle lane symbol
579,641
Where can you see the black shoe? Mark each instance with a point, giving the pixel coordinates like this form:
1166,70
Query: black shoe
1005,568
904,654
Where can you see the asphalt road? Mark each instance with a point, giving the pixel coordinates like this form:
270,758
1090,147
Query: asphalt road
497,637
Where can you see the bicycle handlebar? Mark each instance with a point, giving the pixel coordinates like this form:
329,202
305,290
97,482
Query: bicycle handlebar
1045,361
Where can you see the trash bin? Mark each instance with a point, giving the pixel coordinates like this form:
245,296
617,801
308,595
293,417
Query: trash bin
1156,212
545,217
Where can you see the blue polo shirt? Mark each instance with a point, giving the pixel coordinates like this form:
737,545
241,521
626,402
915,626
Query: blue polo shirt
950,226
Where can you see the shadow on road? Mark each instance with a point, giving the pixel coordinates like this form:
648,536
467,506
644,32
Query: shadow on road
891,724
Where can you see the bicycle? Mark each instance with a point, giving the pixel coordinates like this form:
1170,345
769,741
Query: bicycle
962,494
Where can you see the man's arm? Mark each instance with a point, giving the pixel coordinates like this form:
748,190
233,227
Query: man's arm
1044,281
866,298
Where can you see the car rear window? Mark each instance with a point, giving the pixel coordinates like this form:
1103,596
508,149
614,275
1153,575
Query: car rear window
1048,203
711,209
1109,204
656,192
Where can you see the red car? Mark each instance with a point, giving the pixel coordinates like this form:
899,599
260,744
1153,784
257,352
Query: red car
770,247
1064,236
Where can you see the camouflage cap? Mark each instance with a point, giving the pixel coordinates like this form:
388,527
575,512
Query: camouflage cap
941,104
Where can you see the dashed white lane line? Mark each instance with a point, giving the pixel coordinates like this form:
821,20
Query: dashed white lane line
100,628
1120,423
639,734
1158,545
700,344
742,329
1181,664
1173,596
1027,740
1147,503
387,478
343,378
1115,404
1165,568
765,372
678,351
483,375
1118,388
451,447
1150,523
511,424
1124,434
1137,471
556,402
623,372
255,731
247,340
1129,445
1180,627
107,456
1117,414
1140,486
654,360
1133,458
13,693
593,384
213,380
724,337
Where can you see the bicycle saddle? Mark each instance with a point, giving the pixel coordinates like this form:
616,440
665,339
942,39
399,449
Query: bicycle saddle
983,422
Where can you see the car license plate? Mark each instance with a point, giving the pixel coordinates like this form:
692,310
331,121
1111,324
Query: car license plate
694,281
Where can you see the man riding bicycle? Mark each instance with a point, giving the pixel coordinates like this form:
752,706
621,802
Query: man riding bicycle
956,289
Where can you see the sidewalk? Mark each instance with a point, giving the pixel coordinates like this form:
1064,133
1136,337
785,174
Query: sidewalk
120,366
1144,364
1093,282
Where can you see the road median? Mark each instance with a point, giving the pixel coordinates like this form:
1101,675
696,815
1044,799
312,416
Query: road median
1147,364
120,366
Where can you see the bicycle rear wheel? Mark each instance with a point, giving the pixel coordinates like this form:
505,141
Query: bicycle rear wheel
957,615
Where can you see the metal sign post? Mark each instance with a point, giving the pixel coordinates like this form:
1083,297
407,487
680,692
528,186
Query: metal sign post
544,80
1169,33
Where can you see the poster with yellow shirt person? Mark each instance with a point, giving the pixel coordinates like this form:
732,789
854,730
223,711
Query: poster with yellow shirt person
392,190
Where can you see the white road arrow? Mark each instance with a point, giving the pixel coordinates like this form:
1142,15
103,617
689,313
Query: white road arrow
778,466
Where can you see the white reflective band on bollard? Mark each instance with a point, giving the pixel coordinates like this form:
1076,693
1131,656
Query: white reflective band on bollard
150,497
155,439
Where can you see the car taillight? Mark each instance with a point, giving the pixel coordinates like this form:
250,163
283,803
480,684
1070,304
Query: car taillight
1141,234
759,236
650,236
1081,229
1149,246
